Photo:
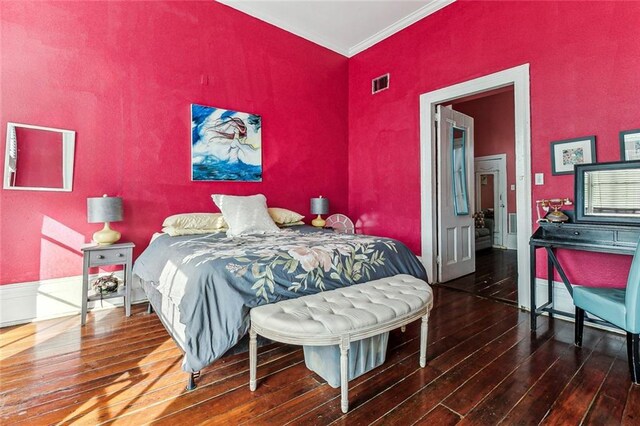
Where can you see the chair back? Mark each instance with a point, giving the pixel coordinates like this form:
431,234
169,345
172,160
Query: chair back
632,295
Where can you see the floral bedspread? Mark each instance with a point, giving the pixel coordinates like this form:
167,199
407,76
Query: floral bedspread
215,280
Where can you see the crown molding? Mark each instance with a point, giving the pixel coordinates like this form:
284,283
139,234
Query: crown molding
414,17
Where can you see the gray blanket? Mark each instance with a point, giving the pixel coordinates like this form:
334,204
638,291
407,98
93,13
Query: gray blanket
216,280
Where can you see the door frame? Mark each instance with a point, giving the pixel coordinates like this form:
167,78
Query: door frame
518,77
500,187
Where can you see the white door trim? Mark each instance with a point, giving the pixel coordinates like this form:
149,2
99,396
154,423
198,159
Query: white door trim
500,188
519,78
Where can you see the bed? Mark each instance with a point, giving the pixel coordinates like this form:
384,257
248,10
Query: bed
203,286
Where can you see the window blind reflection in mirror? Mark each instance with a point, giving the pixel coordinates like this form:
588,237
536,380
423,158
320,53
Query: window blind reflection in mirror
612,193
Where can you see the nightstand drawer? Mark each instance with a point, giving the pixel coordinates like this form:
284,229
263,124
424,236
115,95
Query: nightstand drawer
108,256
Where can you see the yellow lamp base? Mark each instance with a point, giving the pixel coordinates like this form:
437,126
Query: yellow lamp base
318,222
106,236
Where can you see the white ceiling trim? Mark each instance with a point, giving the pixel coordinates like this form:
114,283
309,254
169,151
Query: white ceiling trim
314,38
318,38
398,26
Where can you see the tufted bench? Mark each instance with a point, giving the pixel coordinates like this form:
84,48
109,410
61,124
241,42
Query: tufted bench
342,316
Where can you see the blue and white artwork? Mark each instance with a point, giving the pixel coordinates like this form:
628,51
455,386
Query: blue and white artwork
225,145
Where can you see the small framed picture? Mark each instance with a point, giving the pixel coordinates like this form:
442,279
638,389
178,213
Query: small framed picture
630,145
567,153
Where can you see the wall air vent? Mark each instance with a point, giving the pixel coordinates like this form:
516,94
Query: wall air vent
379,84
512,223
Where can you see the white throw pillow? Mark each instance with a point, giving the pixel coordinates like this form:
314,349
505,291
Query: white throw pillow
284,216
245,214
195,221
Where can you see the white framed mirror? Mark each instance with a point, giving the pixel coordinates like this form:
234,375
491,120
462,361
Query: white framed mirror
38,158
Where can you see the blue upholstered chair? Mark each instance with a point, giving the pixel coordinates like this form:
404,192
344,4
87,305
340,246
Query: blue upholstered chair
620,307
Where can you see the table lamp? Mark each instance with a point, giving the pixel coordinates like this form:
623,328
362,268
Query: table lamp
319,206
104,209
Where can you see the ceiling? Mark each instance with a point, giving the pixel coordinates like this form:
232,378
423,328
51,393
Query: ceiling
344,26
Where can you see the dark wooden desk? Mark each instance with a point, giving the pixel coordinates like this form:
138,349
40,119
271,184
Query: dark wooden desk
599,238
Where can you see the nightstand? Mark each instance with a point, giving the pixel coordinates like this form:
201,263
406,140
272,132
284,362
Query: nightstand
114,254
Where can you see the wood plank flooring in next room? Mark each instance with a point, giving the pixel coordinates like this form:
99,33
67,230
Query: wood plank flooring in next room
496,276
484,367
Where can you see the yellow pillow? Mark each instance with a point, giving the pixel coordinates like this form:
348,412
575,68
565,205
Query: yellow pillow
195,221
284,216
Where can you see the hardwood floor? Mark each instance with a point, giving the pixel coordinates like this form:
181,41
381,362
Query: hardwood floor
484,367
495,277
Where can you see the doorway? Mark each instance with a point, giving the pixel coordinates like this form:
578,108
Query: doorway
491,194
517,77
491,163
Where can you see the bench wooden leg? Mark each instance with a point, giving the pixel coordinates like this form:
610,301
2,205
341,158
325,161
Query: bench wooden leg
253,358
344,374
423,340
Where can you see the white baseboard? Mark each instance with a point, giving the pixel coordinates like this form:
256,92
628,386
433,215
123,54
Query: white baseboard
562,301
37,300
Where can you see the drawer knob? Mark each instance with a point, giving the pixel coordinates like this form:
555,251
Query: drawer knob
120,254
576,233
100,256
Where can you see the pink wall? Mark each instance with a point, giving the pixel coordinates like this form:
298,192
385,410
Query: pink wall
39,158
122,75
494,133
584,63
487,193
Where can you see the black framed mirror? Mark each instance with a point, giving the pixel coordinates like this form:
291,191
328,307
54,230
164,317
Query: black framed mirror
608,193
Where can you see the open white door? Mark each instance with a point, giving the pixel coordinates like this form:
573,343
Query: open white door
456,189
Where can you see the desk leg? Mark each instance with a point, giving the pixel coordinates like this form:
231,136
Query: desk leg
532,296
85,288
550,284
551,255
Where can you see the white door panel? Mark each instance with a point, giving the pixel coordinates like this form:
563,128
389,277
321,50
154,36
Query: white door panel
451,252
456,195
467,243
